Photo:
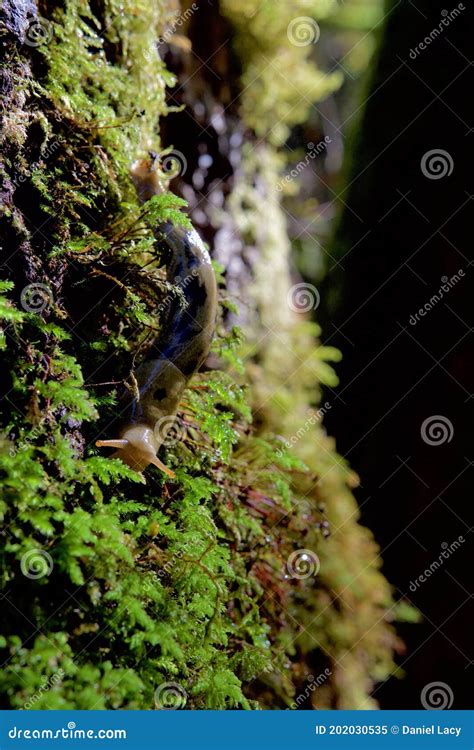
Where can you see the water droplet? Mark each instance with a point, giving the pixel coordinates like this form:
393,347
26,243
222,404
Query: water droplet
205,161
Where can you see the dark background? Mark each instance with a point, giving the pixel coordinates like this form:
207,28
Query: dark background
408,233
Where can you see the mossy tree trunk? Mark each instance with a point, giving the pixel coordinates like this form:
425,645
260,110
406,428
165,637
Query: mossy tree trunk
222,588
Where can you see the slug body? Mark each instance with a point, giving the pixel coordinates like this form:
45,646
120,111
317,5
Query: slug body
177,354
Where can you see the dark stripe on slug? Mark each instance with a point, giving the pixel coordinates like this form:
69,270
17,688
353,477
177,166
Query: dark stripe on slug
186,330
187,341
189,329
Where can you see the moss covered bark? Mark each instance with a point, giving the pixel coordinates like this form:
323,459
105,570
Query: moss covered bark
124,595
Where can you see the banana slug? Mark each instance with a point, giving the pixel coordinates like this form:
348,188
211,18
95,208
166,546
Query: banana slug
178,354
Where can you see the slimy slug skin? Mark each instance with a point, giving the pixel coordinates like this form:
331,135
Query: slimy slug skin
184,345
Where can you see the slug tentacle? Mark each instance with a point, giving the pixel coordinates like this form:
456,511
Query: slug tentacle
111,443
177,354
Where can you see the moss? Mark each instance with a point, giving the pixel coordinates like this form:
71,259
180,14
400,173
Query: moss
342,613
280,80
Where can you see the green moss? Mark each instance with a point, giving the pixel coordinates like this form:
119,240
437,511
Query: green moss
280,80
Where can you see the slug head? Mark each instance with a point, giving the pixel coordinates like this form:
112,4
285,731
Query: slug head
147,177
137,448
